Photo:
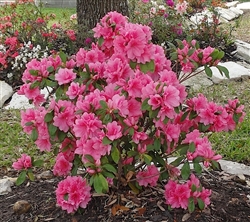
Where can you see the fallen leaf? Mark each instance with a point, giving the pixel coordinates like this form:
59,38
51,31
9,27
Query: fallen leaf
129,175
118,209
141,211
186,217
159,205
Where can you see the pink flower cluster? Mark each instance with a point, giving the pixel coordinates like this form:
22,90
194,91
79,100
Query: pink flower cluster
23,163
198,56
120,103
149,176
72,193
217,117
177,195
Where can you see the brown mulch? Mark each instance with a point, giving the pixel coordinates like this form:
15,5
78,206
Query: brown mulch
230,201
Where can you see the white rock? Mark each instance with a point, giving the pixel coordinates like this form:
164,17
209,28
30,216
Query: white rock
5,186
198,17
237,11
6,92
226,14
235,71
231,4
197,81
243,50
234,168
244,6
21,102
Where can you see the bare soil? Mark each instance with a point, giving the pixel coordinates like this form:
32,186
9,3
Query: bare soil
230,201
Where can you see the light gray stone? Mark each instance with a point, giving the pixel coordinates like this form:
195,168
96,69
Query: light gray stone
5,186
6,92
235,71
234,168
226,14
244,6
243,50
197,81
231,4
227,166
198,17
237,11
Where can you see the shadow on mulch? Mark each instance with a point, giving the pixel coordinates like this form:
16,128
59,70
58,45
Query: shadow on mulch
230,201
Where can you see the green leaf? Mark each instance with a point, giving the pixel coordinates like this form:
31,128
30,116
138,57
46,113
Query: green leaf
59,92
52,129
115,154
29,124
103,104
148,66
203,128
33,72
21,178
89,158
49,117
191,147
109,168
191,205
100,41
132,64
145,105
108,174
34,85
183,149
50,69
31,176
185,171
106,141
177,162
100,183
147,159
61,135
215,165
201,204
157,144
63,56
208,71
107,119
197,168
223,70
236,117
38,163
34,134
131,131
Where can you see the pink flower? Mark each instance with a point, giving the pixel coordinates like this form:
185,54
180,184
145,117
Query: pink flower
64,115
74,90
181,7
64,76
72,193
113,131
177,195
149,176
62,166
155,101
22,163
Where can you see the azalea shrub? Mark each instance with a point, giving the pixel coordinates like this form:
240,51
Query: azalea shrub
119,111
